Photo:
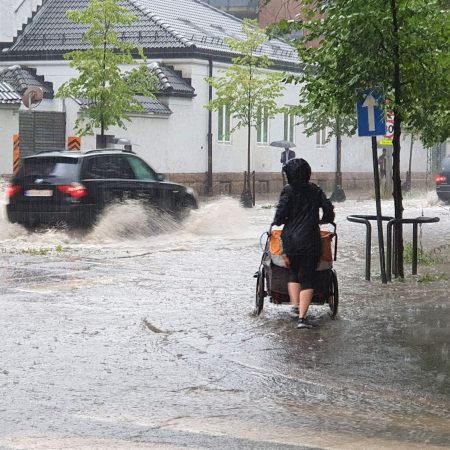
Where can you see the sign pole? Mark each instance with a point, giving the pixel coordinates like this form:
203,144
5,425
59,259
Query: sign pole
376,178
371,122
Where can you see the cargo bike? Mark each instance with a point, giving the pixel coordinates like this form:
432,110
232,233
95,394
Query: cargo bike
273,272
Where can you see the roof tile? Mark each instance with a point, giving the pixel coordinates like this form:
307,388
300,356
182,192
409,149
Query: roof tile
21,78
8,95
149,105
160,24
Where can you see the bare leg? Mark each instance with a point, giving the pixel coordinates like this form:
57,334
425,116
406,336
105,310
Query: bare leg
294,293
306,296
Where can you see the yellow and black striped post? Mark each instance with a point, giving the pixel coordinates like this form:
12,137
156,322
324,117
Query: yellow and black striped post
16,153
73,142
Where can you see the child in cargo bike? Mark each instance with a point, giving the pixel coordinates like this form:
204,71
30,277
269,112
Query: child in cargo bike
298,209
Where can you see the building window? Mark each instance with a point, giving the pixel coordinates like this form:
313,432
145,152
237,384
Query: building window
223,130
262,128
289,127
321,138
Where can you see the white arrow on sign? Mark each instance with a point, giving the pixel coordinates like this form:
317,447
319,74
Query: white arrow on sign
370,103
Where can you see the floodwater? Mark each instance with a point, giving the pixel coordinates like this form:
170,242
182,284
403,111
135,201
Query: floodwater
140,334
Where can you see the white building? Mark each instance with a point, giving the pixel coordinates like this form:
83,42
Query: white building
13,15
9,124
186,38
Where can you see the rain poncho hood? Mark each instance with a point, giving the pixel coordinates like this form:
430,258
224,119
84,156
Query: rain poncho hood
298,172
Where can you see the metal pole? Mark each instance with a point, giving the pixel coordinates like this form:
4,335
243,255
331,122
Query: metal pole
209,182
254,184
378,205
389,251
394,253
414,249
368,248
365,221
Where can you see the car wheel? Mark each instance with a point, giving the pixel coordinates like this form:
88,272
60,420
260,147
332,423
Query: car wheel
187,204
87,221
29,226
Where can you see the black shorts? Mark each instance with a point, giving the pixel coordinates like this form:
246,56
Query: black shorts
303,269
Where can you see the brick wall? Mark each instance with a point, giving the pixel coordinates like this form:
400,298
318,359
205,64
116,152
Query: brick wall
276,10
271,182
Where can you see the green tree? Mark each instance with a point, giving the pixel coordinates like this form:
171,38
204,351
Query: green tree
109,92
401,46
247,88
316,112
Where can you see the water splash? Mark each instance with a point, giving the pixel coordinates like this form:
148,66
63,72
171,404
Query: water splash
130,220
222,216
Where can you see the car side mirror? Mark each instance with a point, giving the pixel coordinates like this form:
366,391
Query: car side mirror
160,177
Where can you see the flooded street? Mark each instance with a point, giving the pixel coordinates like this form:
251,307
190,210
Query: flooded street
140,335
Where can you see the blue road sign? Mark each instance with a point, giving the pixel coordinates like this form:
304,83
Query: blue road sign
371,114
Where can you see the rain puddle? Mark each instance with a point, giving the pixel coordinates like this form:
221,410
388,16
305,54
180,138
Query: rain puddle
153,319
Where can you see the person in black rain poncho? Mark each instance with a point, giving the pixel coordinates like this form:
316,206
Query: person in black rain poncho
298,209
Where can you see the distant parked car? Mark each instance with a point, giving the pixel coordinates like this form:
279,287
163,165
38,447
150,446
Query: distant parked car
74,187
443,181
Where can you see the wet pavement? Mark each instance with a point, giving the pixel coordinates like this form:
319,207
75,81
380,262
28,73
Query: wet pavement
140,334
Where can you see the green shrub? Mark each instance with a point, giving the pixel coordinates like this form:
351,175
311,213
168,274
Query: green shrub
423,258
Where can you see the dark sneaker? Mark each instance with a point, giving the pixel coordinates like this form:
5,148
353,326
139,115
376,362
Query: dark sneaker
293,312
303,323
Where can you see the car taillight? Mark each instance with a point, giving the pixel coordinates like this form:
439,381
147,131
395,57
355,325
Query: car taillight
12,190
440,179
74,190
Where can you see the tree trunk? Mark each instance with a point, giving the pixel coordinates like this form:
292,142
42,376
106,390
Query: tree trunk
388,178
397,184
398,204
408,174
101,138
338,194
246,196
338,161
249,133
337,132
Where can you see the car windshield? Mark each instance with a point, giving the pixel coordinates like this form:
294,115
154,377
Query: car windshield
49,167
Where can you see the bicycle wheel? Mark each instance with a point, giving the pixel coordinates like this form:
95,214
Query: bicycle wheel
259,294
333,299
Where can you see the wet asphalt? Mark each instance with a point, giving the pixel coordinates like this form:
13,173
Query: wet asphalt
140,334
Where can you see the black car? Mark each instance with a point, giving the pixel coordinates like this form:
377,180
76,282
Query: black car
443,181
73,187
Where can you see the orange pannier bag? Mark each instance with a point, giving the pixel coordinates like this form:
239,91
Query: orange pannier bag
326,256
279,258
276,248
